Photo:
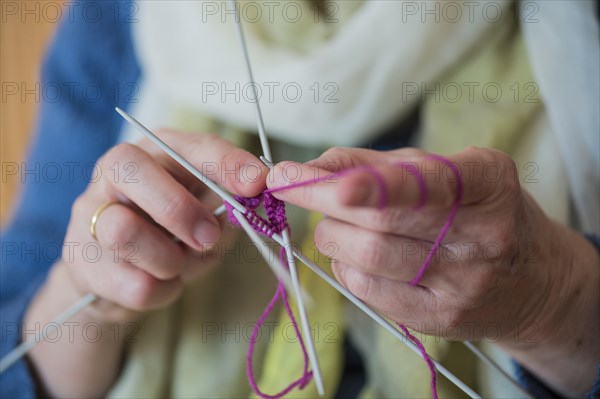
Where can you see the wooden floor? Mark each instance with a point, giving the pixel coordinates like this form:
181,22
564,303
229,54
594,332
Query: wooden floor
22,45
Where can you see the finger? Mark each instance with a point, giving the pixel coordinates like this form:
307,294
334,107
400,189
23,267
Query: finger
182,175
475,175
341,158
337,194
131,287
235,169
486,175
395,299
133,239
443,182
397,184
429,182
330,197
385,255
166,201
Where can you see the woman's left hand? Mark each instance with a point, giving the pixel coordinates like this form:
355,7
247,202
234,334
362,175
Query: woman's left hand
504,272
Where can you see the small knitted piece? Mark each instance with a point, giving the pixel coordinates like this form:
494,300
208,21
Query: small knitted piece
274,208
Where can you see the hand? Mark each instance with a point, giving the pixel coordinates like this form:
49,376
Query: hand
505,272
150,241
142,266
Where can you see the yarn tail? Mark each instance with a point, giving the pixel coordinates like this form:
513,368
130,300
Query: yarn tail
307,375
425,356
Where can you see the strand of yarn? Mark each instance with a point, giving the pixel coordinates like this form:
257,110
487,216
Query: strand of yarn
276,222
425,356
306,376
449,220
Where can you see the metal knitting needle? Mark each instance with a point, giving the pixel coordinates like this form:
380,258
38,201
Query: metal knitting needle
21,350
287,245
490,362
316,269
17,353
259,119
267,163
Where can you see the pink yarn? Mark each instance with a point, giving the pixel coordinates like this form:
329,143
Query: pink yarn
306,377
276,222
449,220
425,356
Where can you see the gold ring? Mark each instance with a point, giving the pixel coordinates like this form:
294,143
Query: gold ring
99,210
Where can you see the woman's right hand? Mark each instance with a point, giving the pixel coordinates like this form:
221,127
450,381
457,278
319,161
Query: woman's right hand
142,266
155,235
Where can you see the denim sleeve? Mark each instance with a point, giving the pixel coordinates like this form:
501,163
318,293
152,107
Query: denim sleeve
537,388
90,68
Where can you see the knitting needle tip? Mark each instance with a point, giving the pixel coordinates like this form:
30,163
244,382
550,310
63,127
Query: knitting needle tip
122,113
267,163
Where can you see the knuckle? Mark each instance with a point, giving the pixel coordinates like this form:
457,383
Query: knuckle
233,158
162,268
173,210
501,239
387,219
123,227
210,138
373,254
233,162
512,187
507,167
334,152
483,154
450,310
484,283
453,317
408,152
339,156
321,235
202,142
361,284
141,292
79,206
168,273
307,194
509,170
484,157
119,153
80,277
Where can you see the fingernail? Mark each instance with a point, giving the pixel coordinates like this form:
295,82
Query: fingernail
206,233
